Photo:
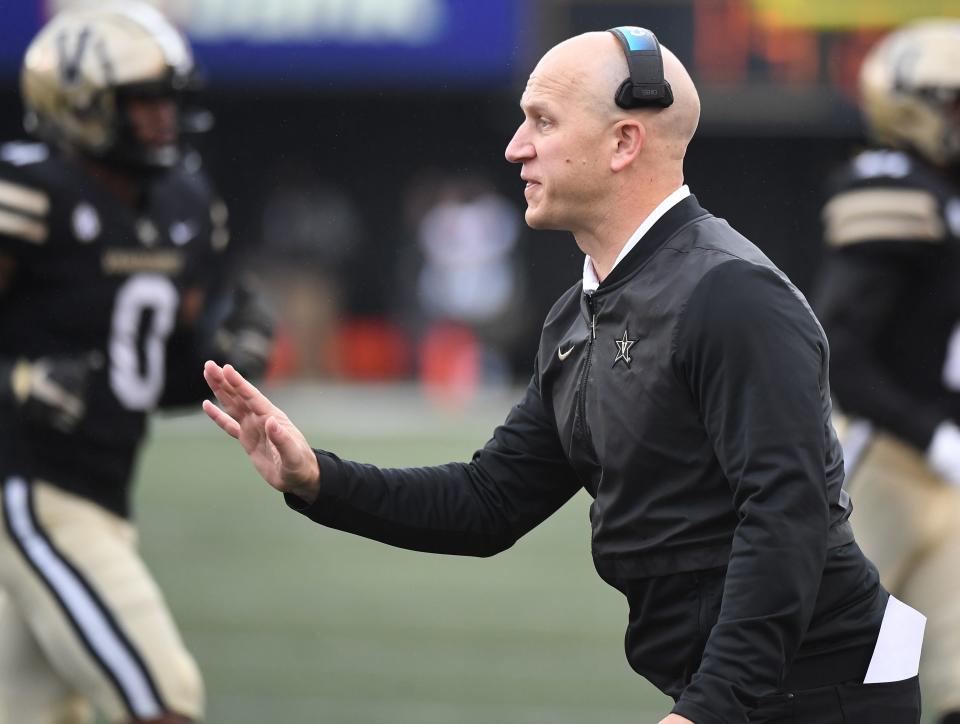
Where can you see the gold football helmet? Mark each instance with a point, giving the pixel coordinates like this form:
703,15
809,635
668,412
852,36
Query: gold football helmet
910,89
82,65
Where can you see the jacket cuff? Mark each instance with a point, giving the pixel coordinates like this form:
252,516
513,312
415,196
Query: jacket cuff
329,488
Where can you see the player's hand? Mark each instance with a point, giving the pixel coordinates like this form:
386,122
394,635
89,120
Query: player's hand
277,449
52,391
245,337
675,719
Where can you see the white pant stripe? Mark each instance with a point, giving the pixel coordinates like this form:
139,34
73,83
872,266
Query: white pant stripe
100,635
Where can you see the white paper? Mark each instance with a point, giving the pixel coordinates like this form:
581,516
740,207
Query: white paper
897,654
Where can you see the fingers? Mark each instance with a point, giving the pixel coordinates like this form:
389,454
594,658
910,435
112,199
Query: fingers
213,374
223,420
255,400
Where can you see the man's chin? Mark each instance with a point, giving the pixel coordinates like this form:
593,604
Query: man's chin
537,220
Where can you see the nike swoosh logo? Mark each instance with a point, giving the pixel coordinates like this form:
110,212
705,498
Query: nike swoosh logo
563,355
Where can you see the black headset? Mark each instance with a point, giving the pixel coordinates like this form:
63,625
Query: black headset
646,85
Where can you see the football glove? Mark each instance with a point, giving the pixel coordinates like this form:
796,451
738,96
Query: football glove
245,337
51,391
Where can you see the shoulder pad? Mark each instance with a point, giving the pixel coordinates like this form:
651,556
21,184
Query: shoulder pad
24,203
883,214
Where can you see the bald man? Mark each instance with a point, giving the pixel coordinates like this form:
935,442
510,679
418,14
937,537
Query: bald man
682,383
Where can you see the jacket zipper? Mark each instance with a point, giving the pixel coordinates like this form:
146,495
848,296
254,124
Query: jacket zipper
586,367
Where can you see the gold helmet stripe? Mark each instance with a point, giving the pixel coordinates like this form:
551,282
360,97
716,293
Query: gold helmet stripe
883,214
24,199
20,226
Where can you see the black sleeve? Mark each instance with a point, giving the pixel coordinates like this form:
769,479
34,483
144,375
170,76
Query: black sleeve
24,227
190,345
25,219
860,288
754,359
184,383
211,269
211,274
480,508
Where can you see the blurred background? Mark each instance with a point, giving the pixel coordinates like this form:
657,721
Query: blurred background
359,146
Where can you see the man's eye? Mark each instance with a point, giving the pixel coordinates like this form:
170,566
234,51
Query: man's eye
544,122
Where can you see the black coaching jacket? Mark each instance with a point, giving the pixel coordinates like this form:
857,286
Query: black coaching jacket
689,396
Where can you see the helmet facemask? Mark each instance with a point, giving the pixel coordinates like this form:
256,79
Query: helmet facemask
161,103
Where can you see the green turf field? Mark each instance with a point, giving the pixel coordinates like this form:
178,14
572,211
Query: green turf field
292,623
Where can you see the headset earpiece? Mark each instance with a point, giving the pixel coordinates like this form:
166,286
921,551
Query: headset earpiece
646,86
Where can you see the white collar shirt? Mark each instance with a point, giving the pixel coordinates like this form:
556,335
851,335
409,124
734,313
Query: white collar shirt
590,279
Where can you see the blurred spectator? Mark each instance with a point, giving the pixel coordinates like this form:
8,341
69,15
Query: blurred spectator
889,302
311,233
469,290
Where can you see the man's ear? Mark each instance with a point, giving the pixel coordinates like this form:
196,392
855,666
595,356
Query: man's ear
630,136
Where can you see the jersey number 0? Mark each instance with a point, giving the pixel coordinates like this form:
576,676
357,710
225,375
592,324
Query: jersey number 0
143,317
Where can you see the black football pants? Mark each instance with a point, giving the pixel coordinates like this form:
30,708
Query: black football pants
890,703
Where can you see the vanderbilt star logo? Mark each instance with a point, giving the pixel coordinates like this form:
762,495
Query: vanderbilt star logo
623,349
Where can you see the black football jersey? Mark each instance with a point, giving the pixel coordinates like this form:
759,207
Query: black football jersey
889,293
94,276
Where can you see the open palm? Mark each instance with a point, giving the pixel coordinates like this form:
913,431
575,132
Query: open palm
277,449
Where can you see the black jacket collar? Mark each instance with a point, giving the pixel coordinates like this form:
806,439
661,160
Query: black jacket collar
682,213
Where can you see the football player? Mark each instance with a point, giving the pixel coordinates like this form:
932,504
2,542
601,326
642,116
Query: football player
112,250
889,299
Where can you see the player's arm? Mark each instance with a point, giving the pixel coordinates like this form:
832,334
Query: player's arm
223,317
243,332
880,249
231,326
752,355
48,391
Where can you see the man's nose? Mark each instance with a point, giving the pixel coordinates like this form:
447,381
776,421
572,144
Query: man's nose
520,148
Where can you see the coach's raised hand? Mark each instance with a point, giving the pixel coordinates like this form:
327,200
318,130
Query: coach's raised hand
277,449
